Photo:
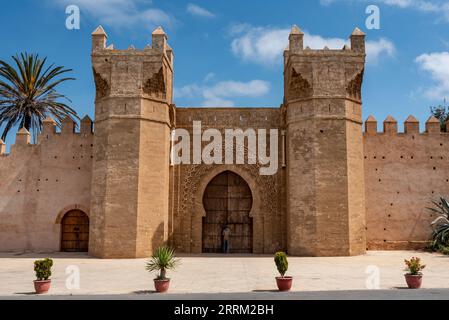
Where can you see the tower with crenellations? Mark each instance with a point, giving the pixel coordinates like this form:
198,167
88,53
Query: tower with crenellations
130,178
325,169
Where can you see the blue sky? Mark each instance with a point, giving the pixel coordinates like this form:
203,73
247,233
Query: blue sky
229,53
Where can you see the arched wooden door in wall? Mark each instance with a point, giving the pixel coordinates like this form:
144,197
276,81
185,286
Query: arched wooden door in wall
75,232
228,201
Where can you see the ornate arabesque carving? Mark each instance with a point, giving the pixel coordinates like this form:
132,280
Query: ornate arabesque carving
354,88
103,89
155,86
299,87
195,174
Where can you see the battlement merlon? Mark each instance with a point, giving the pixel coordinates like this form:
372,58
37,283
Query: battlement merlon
159,45
296,44
133,73
324,73
411,126
2,147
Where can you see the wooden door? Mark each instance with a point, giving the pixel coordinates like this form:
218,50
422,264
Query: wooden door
75,232
228,201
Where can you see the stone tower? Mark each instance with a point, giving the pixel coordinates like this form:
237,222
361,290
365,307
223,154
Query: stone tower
325,176
130,182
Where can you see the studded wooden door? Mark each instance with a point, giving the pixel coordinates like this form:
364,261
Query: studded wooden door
75,232
228,201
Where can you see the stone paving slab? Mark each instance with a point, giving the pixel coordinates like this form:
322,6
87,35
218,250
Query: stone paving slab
233,276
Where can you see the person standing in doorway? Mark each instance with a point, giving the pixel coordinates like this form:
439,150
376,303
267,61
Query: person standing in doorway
226,237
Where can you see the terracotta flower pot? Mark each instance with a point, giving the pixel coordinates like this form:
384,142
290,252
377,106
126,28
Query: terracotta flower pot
42,286
413,281
161,286
284,283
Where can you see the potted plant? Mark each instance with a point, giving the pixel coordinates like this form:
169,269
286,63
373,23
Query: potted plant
43,274
164,259
284,283
414,275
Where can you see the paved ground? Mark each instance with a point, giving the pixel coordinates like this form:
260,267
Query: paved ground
398,294
234,277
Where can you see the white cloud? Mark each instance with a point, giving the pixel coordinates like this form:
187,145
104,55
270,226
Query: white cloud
376,49
222,93
434,6
416,4
265,45
437,65
122,13
262,45
209,77
199,11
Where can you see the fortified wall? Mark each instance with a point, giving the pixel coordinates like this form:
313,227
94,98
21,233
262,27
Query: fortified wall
40,183
404,172
338,190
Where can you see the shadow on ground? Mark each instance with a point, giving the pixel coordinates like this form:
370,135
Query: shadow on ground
392,294
25,293
142,292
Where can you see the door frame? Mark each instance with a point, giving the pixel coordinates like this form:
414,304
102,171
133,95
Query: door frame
256,213
250,223
63,212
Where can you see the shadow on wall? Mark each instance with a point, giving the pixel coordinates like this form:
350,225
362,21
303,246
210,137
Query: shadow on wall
42,255
158,238
225,256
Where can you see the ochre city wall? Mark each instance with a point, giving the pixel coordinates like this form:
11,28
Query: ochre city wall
404,172
40,183
136,201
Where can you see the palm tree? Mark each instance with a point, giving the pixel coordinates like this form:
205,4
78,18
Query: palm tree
163,259
28,95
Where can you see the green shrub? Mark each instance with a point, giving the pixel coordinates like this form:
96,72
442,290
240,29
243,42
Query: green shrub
414,266
164,259
43,269
440,234
440,249
444,250
280,258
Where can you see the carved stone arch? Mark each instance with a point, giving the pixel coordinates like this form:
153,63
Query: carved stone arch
194,182
156,85
72,207
198,203
354,87
102,87
172,115
299,87
197,207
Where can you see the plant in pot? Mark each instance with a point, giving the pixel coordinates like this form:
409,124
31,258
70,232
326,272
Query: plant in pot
164,259
284,283
43,274
413,277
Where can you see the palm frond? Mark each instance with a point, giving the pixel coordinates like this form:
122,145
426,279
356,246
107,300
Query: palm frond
163,259
28,94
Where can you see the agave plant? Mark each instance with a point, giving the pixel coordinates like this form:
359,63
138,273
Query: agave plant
28,94
440,234
164,259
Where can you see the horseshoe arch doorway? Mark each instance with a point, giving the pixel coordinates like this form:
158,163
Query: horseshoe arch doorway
228,201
